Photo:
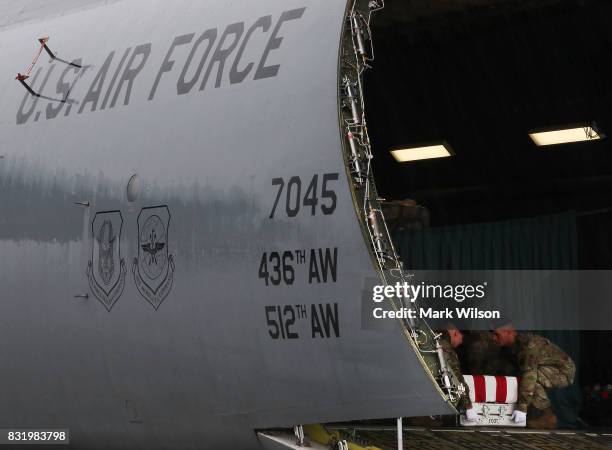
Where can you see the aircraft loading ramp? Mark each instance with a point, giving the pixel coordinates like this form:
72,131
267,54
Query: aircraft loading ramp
385,438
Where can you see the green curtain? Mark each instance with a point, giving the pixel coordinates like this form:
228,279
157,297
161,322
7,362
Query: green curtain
543,242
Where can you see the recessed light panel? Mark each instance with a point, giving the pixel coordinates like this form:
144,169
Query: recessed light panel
565,136
419,153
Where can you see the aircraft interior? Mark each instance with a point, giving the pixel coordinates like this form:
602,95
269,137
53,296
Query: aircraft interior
480,77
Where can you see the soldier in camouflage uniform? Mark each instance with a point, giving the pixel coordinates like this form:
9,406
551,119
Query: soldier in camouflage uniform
451,339
543,366
484,356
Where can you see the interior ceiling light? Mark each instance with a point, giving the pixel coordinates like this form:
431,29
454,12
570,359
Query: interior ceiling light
576,133
418,153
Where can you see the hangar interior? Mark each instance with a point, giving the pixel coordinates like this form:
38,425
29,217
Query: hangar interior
479,75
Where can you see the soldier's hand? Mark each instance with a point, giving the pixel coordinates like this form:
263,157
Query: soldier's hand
519,416
471,415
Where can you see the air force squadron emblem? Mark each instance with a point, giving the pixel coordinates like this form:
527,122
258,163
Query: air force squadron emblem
106,269
153,269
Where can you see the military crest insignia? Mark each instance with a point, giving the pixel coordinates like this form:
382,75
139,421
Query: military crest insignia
153,268
106,269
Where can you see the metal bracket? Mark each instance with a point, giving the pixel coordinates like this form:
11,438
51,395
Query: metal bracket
298,430
43,42
21,79
43,46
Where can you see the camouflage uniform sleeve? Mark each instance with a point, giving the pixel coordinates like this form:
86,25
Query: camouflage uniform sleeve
453,363
528,363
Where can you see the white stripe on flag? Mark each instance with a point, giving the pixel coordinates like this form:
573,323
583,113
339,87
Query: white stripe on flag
491,388
469,380
512,392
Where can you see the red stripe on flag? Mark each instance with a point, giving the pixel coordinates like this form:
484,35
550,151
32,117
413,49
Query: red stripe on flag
501,389
480,394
